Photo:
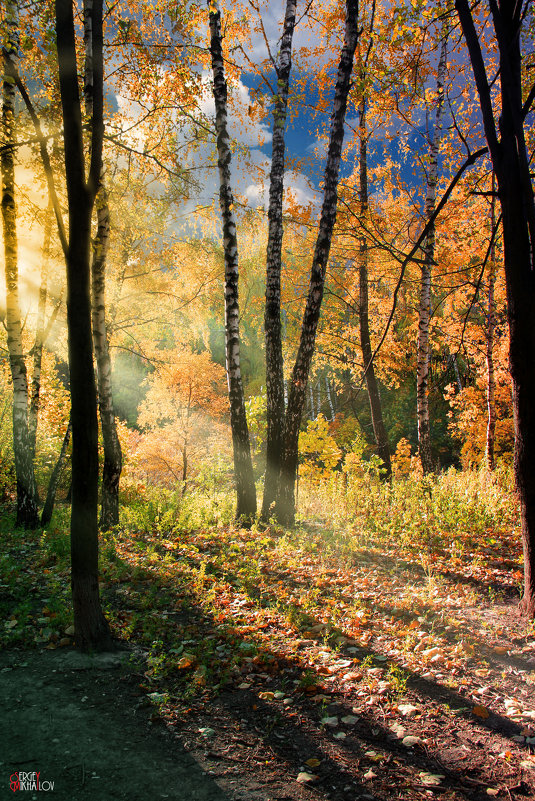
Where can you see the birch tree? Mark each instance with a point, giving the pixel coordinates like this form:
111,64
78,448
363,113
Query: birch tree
285,503
27,501
243,466
272,317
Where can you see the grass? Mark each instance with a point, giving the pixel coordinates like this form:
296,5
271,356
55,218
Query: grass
205,598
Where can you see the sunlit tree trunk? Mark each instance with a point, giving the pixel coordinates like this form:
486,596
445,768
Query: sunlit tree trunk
243,465
272,315
27,501
111,471
285,503
39,333
491,324
507,147
423,347
379,431
91,628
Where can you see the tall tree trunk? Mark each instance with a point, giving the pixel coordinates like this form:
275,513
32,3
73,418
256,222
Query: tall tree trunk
27,501
243,465
285,503
48,508
113,457
40,333
512,169
91,628
272,315
379,431
491,324
423,348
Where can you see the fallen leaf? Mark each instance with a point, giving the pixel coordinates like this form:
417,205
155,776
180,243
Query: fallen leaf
329,721
481,711
305,777
408,710
431,779
313,762
411,740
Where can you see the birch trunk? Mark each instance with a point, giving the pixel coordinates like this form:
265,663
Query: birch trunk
372,386
285,503
91,628
508,151
243,466
272,315
423,349
39,334
491,324
27,501
111,471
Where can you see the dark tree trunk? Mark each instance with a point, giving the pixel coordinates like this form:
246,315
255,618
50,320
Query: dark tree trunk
272,315
243,465
379,431
285,503
491,325
27,501
113,457
508,151
48,508
91,628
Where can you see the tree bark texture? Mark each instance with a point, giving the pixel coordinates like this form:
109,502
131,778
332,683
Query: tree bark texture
285,503
423,347
510,160
272,315
491,325
243,465
48,508
91,628
27,501
113,458
372,386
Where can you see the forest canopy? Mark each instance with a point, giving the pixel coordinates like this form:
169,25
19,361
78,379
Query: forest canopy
263,247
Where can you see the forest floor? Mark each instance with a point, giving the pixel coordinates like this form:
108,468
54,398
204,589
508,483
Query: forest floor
272,667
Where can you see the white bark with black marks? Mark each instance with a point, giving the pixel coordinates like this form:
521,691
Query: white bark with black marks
243,466
285,503
272,316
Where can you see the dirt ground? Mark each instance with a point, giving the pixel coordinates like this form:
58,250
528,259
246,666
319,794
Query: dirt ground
85,724
73,719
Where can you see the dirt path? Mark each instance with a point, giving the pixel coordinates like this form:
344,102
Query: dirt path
64,716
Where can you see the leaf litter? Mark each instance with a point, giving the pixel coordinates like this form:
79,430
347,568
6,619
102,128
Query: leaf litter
294,660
